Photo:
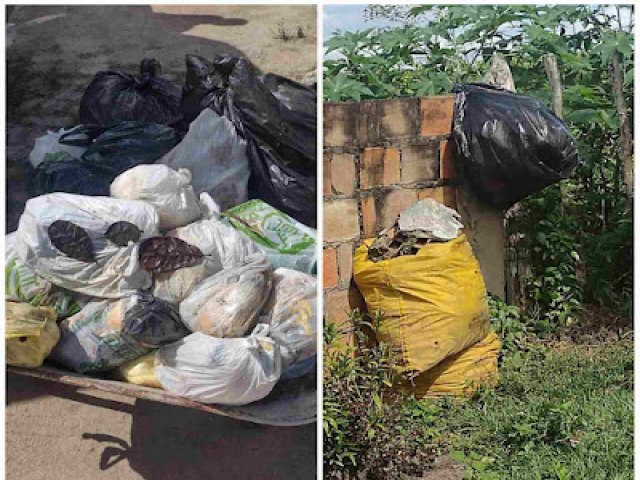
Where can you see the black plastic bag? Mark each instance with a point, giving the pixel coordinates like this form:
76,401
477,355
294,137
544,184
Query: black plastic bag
127,144
509,145
277,118
293,95
64,173
114,97
111,151
153,322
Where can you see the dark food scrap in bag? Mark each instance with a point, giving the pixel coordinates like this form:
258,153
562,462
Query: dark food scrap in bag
121,233
154,322
165,254
71,240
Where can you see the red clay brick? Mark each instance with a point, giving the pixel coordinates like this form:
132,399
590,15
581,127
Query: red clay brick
447,159
336,307
436,115
343,173
395,202
369,216
444,195
381,120
398,118
326,174
345,263
341,220
379,167
381,210
329,268
420,163
340,124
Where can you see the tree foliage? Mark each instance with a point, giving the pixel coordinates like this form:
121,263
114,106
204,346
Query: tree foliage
579,239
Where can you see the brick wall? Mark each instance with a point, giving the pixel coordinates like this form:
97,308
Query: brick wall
379,158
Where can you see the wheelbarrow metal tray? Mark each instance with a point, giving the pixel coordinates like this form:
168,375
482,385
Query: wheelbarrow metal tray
292,403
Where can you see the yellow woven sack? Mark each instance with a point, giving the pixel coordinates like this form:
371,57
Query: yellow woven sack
463,373
141,371
30,334
434,303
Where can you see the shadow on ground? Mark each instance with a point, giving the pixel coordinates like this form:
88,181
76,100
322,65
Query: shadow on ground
188,444
164,442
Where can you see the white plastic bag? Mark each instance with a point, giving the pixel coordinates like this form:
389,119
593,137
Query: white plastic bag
170,192
22,285
93,341
115,272
50,143
109,333
231,371
291,313
216,157
227,304
437,221
222,245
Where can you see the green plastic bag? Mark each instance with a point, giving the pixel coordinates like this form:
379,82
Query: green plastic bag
286,242
23,285
109,152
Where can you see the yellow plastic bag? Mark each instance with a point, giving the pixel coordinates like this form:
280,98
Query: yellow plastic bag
463,373
141,371
30,334
434,303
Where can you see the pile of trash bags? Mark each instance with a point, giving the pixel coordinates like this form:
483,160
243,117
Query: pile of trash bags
422,275
241,135
140,256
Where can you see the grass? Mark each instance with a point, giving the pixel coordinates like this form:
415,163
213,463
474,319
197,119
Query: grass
563,410
555,415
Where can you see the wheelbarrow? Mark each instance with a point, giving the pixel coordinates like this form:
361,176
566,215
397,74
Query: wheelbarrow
291,403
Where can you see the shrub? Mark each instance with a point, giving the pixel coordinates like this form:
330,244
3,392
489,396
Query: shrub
371,430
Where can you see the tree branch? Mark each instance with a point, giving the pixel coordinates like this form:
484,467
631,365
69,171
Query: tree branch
553,75
626,138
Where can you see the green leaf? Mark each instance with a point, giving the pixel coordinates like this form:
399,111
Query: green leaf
458,456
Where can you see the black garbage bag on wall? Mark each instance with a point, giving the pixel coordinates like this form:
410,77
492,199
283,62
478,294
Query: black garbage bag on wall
509,145
111,151
114,97
277,118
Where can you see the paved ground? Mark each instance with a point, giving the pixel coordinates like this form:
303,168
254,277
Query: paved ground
53,432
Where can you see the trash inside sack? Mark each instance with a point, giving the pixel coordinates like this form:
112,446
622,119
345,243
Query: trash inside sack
30,334
428,285
106,334
109,151
424,222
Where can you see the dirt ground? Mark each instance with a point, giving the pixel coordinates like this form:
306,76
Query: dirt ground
53,431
